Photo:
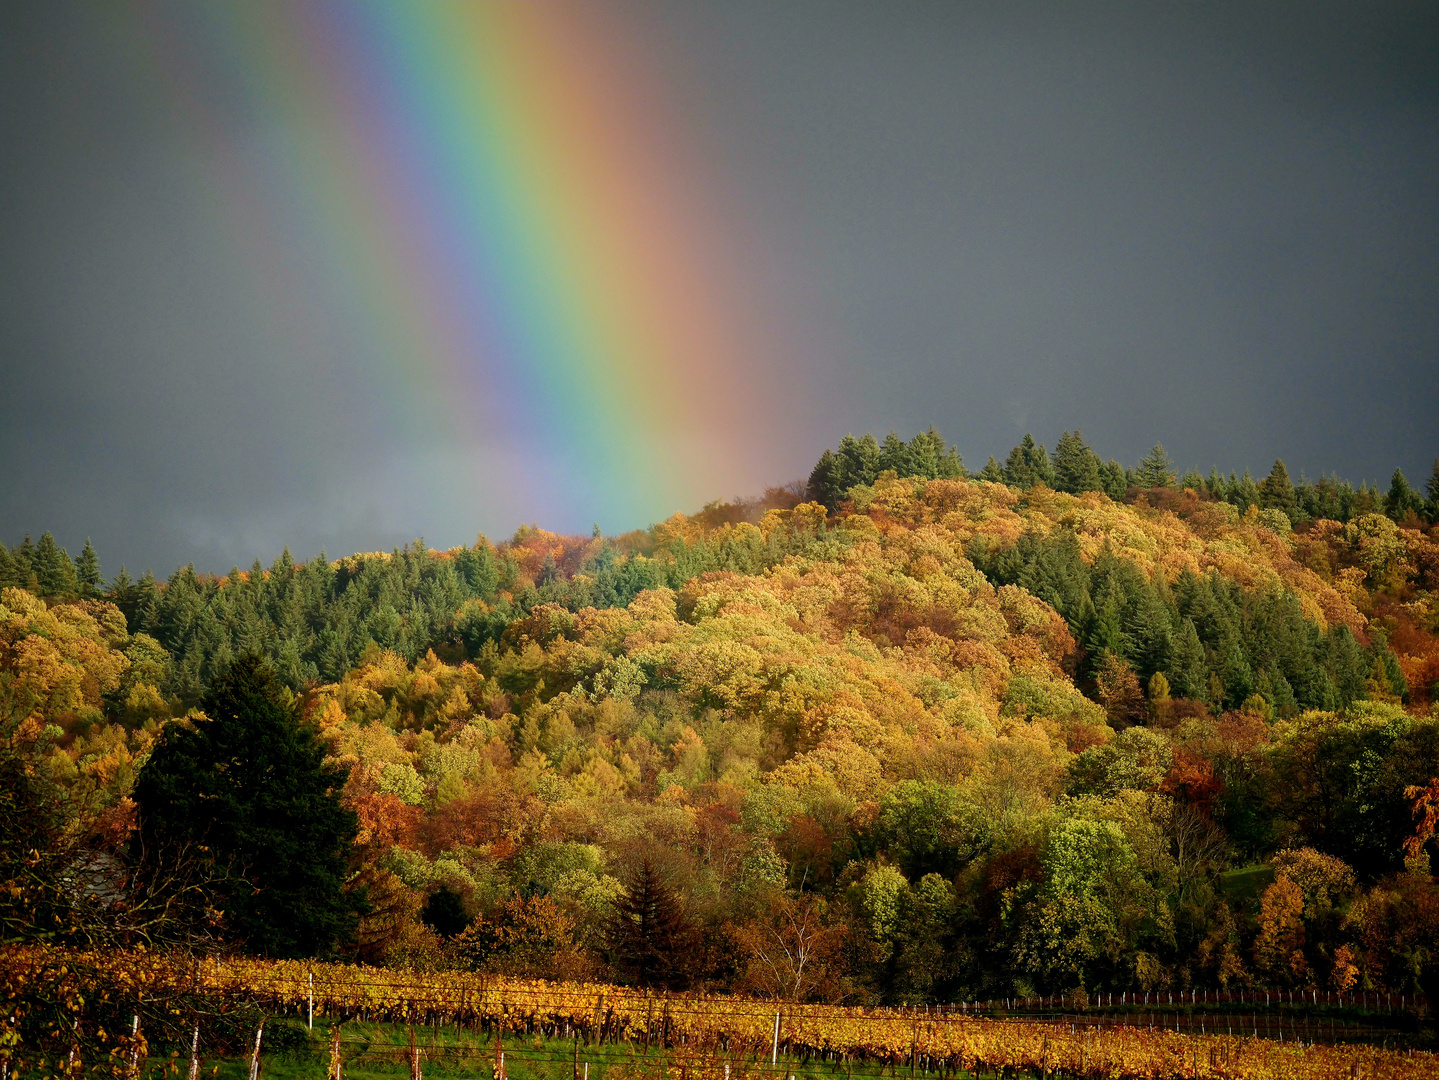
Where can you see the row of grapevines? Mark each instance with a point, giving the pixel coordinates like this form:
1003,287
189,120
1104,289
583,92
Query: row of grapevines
35,975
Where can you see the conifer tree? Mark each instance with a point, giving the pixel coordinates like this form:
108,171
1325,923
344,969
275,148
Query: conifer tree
1188,673
25,564
1243,492
650,935
894,454
1028,464
1400,500
53,568
861,459
87,572
251,787
1076,466
1277,493
992,472
9,571
1116,483
932,459
1156,469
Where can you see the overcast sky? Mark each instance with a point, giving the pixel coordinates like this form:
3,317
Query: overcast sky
1215,226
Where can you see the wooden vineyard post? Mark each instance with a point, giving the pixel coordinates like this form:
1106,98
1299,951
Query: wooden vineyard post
414,1058
255,1054
335,1061
312,1001
914,1049
135,1048
774,1053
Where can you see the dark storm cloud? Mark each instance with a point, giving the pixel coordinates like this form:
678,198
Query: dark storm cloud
1217,226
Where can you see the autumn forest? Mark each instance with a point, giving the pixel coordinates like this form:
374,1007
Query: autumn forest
900,733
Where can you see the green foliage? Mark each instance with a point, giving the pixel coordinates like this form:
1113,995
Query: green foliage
1076,466
929,828
1028,464
250,788
1277,493
1156,469
860,462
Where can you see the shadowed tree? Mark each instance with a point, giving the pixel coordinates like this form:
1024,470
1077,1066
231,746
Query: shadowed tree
251,785
650,936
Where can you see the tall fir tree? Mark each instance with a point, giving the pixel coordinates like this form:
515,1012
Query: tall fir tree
87,572
1243,492
1277,493
53,569
1028,464
894,454
827,481
1076,466
650,935
1116,483
250,787
1401,498
1156,468
1188,673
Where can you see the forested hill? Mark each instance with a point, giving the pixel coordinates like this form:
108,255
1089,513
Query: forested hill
925,723
316,619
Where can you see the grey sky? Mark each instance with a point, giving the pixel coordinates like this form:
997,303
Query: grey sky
1211,225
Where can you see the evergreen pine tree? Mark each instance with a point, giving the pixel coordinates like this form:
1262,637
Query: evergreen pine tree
1188,673
932,458
87,572
827,481
1433,492
894,454
251,787
25,565
861,460
992,472
1155,469
1244,492
1277,493
1039,464
1076,466
649,934
1028,464
1400,500
1116,483
9,570
53,568
1215,484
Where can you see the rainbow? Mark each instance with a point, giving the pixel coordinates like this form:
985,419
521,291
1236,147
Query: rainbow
505,205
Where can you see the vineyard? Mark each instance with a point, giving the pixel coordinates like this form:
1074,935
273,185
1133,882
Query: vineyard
71,1013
